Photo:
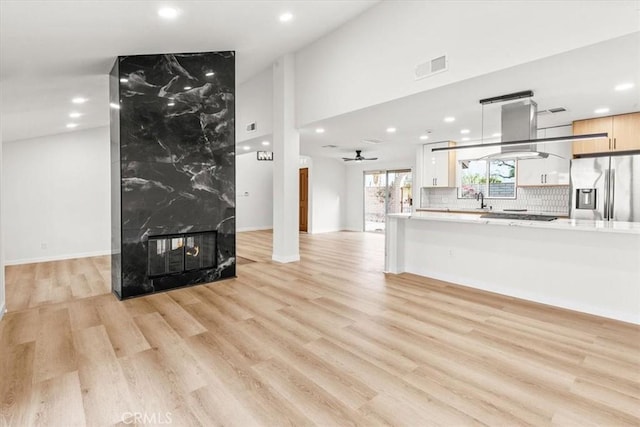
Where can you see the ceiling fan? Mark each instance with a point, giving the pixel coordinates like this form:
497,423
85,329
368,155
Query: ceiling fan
358,157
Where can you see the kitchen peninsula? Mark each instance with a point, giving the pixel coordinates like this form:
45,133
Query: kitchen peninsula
582,265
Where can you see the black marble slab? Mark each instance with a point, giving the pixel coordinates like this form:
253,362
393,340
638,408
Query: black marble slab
175,158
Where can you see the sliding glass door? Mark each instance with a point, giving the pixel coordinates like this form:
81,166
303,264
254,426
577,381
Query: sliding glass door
385,191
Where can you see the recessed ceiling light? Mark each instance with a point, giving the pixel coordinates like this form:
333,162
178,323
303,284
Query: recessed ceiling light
168,13
465,139
123,80
286,17
246,148
171,103
74,115
496,135
391,130
423,137
319,130
465,131
187,88
603,110
265,143
114,105
79,100
72,125
624,86
209,74
449,119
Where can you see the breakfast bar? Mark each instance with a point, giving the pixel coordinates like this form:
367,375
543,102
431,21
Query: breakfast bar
583,265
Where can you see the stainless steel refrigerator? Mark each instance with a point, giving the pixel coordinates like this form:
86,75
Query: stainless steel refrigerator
606,188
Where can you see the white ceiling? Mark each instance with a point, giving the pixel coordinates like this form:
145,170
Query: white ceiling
51,51
580,81
54,50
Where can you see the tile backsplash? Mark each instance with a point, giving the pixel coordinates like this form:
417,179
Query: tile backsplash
551,199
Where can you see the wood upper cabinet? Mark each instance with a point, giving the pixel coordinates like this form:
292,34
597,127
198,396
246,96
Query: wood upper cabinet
439,167
623,130
626,132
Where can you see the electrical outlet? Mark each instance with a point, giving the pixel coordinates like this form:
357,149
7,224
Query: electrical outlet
451,253
43,245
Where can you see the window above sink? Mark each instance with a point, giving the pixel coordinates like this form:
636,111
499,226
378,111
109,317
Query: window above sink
496,179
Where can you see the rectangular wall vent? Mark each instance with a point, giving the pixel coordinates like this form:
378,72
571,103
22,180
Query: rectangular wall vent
557,110
431,67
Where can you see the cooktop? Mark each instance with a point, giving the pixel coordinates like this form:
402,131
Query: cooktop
523,217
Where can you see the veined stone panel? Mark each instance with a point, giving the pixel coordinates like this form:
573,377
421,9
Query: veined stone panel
173,147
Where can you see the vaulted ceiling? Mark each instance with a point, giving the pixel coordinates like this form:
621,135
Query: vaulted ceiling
52,51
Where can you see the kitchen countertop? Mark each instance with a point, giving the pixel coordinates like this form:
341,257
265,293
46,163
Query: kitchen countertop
483,211
559,224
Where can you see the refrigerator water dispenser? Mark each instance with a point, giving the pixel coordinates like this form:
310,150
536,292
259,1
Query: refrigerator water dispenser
585,198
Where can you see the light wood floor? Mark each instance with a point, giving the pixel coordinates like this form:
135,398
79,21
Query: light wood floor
35,285
329,341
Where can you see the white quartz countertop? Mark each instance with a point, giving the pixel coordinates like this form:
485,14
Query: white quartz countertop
487,210
559,224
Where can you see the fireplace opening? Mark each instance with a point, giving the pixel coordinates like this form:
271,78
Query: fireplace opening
176,253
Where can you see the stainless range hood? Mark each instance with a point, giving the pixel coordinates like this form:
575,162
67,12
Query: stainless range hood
519,122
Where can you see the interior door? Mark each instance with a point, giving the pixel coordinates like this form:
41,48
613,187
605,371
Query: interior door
304,198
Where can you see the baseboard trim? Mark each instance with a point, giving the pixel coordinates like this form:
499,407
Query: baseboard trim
286,259
352,229
243,229
326,230
56,257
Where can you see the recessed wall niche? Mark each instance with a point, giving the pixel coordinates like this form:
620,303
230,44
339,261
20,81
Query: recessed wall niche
172,171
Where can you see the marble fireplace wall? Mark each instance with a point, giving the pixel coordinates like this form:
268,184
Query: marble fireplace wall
173,162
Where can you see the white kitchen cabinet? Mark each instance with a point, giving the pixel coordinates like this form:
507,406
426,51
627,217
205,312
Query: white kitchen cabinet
439,167
553,170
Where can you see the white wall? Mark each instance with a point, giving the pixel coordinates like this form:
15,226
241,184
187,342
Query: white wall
2,289
327,192
371,59
254,103
254,191
56,197
354,214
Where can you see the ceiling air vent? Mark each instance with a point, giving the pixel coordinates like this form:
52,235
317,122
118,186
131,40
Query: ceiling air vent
551,111
329,146
431,67
372,141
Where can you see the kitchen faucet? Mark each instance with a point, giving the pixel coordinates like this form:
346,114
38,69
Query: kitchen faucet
480,196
